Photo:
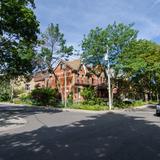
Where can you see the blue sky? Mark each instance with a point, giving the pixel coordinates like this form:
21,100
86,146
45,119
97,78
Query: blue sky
77,17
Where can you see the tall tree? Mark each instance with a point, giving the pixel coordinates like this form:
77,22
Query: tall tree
53,49
18,37
115,37
140,62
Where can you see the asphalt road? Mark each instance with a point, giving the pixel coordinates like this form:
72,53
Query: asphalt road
55,135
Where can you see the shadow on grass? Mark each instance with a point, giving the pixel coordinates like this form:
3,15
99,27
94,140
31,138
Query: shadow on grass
109,136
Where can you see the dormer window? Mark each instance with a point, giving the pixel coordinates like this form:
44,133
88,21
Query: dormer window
61,66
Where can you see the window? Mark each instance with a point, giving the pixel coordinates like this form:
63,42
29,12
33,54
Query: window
27,87
61,66
92,80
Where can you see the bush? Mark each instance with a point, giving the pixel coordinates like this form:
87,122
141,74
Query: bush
89,107
95,101
90,98
70,99
4,90
139,103
18,91
4,97
121,104
17,101
100,101
126,104
45,96
88,93
25,98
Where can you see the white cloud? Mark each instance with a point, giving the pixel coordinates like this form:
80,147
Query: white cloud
76,18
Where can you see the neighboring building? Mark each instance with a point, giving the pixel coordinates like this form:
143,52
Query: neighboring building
23,85
76,75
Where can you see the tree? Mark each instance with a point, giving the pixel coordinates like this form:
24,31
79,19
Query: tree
140,63
116,38
53,49
18,37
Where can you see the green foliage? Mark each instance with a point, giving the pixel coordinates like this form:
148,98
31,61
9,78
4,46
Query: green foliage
17,101
70,99
4,97
90,98
89,107
141,56
88,93
121,104
138,103
116,37
53,48
18,37
4,91
140,64
18,92
45,96
25,98
97,107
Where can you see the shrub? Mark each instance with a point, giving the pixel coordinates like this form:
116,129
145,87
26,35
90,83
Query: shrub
45,96
139,103
4,90
25,98
88,93
100,101
17,101
4,97
18,91
89,107
121,104
70,99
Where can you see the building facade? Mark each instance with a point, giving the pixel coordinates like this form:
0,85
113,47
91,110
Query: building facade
70,77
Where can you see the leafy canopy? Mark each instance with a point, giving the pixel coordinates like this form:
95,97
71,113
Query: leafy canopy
140,63
141,56
114,37
53,48
18,37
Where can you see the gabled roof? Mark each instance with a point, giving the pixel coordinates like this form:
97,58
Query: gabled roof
75,64
40,76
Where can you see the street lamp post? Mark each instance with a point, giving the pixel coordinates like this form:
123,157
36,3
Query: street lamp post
109,78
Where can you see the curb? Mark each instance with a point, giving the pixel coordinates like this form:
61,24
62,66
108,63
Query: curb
75,110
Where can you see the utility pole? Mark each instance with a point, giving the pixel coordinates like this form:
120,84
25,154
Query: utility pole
109,78
65,85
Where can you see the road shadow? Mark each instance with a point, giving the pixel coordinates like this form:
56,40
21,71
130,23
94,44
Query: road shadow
8,112
110,136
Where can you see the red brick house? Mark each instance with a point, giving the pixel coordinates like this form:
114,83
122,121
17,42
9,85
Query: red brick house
76,75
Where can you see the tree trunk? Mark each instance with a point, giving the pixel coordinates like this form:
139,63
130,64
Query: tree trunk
146,97
12,90
158,97
56,80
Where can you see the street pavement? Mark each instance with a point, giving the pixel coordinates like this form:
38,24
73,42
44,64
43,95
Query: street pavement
132,134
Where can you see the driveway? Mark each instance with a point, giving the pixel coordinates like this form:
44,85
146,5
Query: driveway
55,135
